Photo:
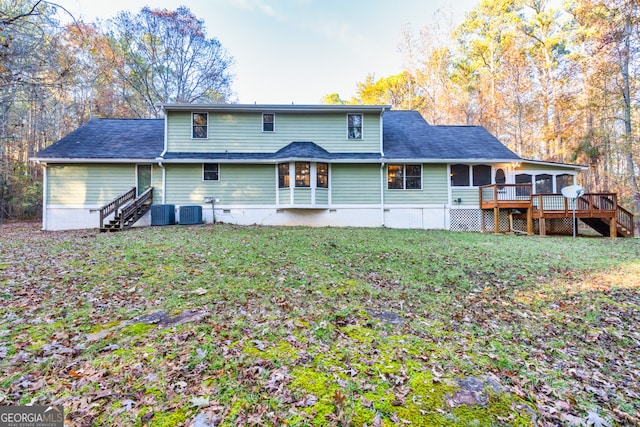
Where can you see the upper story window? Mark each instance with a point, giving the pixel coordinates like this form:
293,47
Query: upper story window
303,174
199,125
210,171
322,175
283,175
268,122
404,177
354,126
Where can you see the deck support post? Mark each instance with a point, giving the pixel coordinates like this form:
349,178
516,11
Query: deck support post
613,229
530,221
543,226
496,220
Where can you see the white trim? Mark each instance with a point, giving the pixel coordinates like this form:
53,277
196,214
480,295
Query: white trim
557,165
135,184
45,189
274,123
192,125
210,163
404,176
166,136
247,108
361,127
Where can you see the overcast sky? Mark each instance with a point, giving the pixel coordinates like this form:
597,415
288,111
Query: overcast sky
298,51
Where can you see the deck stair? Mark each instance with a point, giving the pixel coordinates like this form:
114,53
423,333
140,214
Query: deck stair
600,211
127,210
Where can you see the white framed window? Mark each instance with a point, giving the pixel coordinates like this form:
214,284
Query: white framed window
354,126
199,125
303,174
404,177
268,122
283,175
210,172
322,175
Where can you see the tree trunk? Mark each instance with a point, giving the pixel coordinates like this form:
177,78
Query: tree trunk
625,58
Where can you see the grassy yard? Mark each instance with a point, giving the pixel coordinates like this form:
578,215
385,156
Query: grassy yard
320,326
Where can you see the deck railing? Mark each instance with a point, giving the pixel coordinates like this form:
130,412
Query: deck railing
590,204
115,204
498,192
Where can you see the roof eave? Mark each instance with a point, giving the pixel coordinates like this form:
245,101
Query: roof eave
91,160
293,108
560,165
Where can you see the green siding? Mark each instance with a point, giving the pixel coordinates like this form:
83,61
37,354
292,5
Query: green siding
156,182
83,184
238,184
469,196
355,184
434,188
284,196
302,196
242,132
322,196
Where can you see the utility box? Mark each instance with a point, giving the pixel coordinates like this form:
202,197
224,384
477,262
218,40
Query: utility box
163,214
190,215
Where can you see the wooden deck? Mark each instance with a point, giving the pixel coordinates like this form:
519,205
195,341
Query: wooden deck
598,210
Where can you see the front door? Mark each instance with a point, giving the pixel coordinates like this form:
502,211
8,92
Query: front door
144,178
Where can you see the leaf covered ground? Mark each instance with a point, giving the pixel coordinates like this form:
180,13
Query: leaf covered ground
223,325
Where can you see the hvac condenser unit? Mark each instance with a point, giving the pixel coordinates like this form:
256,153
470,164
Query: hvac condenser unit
190,215
163,214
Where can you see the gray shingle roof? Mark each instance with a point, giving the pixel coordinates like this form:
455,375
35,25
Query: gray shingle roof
110,139
408,136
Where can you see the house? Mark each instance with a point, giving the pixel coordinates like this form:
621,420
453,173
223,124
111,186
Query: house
317,165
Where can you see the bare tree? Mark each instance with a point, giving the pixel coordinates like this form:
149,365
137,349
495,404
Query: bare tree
168,58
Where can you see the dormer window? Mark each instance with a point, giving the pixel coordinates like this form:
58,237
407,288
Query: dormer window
268,122
354,126
199,125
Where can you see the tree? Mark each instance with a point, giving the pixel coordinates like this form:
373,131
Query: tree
30,79
613,30
168,58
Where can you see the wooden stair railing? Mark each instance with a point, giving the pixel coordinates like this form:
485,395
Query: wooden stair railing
115,204
130,213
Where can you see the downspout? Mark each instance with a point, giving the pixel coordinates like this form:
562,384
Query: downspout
45,186
166,126
164,181
382,164
164,151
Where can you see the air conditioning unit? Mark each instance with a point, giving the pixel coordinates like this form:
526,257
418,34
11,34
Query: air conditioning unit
163,214
190,215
